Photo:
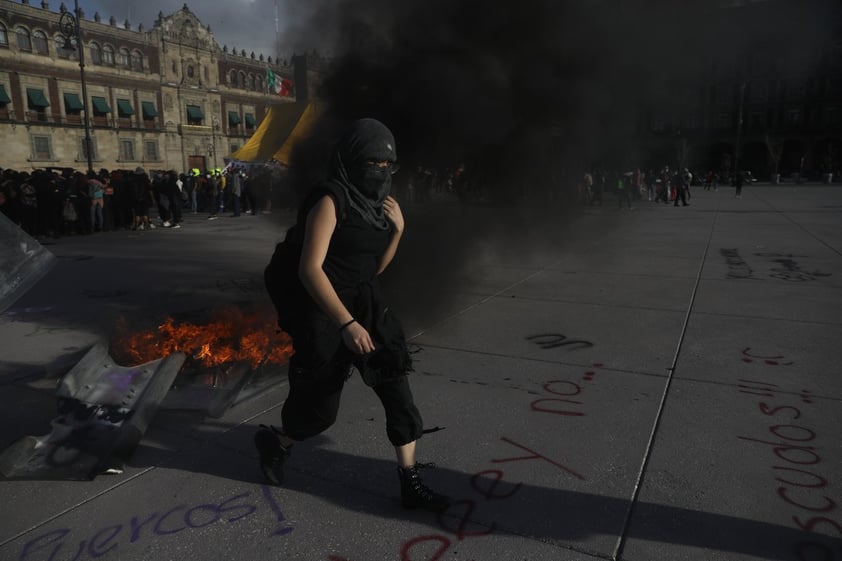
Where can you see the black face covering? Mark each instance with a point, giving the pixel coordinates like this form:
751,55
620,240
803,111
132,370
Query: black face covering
373,182
365,185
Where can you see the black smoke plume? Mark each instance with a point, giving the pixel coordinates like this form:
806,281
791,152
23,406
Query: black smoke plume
528,84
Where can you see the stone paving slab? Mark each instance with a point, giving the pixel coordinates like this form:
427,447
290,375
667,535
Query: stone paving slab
597,333
723,349
730,359
605,289
739,473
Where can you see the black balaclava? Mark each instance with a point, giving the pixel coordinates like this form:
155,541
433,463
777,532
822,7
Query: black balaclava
366,187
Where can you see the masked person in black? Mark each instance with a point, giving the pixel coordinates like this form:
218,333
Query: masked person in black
347,233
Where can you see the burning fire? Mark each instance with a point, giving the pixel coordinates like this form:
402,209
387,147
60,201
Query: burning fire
233,336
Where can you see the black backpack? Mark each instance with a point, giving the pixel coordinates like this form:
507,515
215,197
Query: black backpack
282,282
288,295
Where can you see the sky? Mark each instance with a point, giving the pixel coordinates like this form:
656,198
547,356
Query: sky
244,24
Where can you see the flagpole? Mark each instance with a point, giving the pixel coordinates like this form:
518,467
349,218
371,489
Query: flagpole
277,34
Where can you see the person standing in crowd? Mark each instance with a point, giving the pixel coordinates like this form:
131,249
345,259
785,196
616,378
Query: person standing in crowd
222,183
249,198
637,185
192,189
172,199
587,181
664,186
143,198
738,184
96,194
122,200
212,194
598,187
460,186
624,183
236,184
687,182
70,203
52,198
109,180
348,231
650,185
678,180
28,204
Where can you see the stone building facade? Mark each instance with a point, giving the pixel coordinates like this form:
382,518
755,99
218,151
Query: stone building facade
772,106
166,98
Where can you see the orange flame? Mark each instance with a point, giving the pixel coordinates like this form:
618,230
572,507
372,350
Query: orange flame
234,336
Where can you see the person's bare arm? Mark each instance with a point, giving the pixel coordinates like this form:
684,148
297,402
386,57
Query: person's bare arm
393,213
321,222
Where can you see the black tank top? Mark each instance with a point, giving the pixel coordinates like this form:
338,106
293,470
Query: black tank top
351,265
355,246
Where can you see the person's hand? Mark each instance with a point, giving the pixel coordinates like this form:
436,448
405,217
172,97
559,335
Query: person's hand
392,210
357,339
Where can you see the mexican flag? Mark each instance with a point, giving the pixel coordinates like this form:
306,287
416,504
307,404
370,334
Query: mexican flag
278,84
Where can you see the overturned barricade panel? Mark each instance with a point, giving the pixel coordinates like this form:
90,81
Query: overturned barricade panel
104,410
23,262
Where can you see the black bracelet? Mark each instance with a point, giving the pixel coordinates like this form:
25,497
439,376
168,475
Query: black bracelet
346,325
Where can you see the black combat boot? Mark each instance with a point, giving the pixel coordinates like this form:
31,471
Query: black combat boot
273,454
414,494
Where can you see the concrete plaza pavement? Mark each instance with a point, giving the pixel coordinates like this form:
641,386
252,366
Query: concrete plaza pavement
646,384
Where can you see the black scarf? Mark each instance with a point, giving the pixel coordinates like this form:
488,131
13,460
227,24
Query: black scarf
365,186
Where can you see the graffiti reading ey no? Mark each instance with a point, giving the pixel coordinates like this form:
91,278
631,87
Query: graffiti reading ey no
492,484
555,340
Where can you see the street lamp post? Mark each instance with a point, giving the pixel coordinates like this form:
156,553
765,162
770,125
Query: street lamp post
69,25
214,128
212,152
740,119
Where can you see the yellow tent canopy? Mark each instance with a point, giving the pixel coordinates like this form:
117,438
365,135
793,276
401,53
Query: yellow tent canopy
283,126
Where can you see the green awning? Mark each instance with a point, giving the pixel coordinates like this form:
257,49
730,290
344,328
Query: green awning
149,111
100,105
194,112
124,108
72,102
250,122
233,118
36,98
4,97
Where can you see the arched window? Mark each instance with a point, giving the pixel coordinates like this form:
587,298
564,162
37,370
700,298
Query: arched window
124,57
4,37
24,40
60,50
189,70
96,53
233,78
108,55
251,82
137,61
242,82
39,42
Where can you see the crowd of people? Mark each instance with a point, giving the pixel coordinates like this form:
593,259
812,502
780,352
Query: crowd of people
56,202
664,185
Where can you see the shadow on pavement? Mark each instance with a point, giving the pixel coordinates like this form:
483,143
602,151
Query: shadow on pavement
485,504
